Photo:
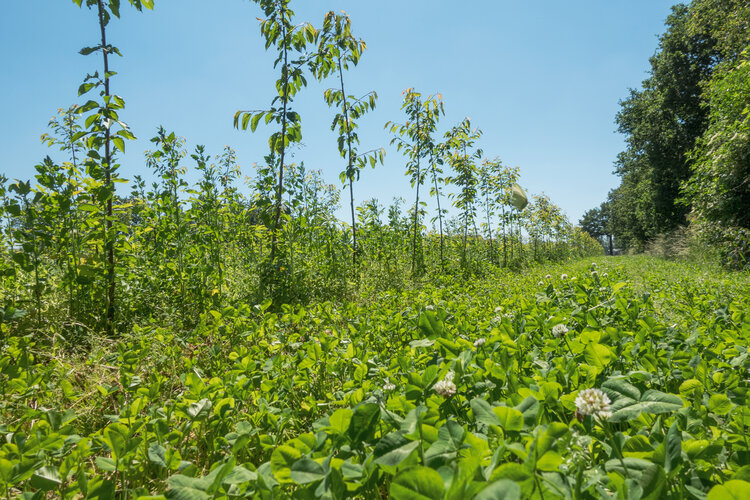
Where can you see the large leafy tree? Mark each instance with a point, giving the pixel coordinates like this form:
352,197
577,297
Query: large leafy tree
718,190
597,222
661,122
684,130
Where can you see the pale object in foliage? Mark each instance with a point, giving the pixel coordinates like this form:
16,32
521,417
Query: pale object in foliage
518,198
446,387
593,402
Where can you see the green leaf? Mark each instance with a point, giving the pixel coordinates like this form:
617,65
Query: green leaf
200,410
691,386
731,490
417,483
89,50
102,489
187,488
700,449
621,388
673,456
339,420
530,409
254,122
6,469
105,464
88,207
306,470
47,478
239,475
509,419
598,355
119,143
504,489
719,404
445,449
430,325
634,466
652,402
116,437
653,480
364,422
217,475
126,134
513,471
629,403
742,473
157,454
393,448
85,87
282,459
483,412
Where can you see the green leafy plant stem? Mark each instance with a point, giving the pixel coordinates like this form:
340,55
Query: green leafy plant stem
108,236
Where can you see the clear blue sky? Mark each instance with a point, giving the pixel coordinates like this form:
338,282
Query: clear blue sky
542,79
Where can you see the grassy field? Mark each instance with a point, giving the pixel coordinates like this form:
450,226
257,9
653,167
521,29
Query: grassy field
605,378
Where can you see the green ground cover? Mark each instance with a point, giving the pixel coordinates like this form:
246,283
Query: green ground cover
458,390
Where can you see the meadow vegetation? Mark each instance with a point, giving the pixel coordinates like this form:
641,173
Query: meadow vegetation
220,340
443,390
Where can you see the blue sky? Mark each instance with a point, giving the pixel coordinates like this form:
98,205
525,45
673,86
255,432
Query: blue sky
542,79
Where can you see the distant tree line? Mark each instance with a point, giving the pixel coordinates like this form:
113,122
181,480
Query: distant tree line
687,155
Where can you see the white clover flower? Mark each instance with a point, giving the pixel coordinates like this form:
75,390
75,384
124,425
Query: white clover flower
388,386
549,276
604,275
541,283
508,315
429,308
559,330
498,309
593,402
594,273
563,276
479,342
446,387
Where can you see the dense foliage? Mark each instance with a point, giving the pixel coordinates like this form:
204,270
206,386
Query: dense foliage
210,340
473,390
686,132
80,256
